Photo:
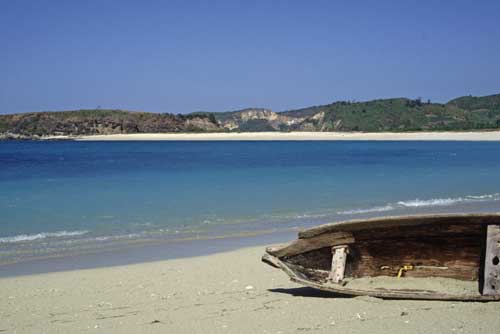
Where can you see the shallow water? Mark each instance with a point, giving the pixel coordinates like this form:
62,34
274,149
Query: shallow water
59,198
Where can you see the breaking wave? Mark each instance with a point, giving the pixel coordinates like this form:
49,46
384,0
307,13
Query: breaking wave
42,235
419,203
374,209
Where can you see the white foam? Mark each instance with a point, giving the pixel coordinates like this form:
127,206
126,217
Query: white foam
450,201
421,203
42,235
495,196
374,209
430,202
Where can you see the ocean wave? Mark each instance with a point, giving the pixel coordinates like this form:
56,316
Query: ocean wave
449,201
422,203
416,203
118,237
374,209
495,196
42,235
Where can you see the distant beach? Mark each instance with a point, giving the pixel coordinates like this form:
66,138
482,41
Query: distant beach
297,136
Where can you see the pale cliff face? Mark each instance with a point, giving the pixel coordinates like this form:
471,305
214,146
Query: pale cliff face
318,116
274,119
258,114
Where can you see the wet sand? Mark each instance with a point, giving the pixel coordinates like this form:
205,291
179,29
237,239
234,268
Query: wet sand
231,292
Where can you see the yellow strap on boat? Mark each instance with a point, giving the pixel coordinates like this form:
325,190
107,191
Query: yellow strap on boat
403,269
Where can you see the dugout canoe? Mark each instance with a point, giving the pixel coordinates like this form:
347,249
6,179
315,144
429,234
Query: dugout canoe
401,255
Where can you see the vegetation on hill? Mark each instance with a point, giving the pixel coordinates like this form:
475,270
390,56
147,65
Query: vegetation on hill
403,114
490,102
398,114
98,121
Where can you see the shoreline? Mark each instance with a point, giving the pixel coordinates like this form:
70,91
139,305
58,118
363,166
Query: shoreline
90,252
294,136
231,292
141,252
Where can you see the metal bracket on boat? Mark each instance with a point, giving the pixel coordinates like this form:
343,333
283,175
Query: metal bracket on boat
405,268
339,257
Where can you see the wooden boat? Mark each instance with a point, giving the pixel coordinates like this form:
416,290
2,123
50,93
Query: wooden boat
403,253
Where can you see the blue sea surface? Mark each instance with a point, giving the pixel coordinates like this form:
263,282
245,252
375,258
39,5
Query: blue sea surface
64,197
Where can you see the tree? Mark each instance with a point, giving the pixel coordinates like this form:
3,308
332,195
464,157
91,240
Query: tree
212,119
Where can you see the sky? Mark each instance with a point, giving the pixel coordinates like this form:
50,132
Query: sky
184,56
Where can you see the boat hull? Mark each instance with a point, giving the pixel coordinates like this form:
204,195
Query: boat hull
408,254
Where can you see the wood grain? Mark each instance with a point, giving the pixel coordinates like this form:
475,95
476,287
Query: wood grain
492,262
395,221
429,248
306,245
444,250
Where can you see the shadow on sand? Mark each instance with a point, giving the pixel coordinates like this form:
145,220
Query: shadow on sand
309,292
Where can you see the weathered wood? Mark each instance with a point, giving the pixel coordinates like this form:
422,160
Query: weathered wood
450,246
310,274
270,260
445,251
442,230
339,257
429,248
317,259
306,245
492,262
380,293
386,222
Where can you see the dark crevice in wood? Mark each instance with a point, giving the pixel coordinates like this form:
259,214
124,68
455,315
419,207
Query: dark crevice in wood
484,231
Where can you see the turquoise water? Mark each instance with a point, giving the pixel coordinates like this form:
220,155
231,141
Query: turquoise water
61,198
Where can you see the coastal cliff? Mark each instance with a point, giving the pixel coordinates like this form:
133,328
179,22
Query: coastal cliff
99,122
382,115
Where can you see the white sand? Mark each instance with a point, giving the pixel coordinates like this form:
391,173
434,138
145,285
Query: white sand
466,136
223,293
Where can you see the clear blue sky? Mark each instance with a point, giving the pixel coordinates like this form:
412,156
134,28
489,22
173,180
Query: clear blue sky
182,56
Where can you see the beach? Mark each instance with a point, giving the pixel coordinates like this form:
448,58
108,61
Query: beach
231,292
297,136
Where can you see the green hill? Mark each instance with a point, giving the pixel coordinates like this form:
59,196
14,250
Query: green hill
490,102
398,114
401,114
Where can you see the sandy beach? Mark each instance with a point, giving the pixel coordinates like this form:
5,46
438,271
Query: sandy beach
457,136
230,292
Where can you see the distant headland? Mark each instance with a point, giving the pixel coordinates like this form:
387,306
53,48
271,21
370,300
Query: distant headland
467,113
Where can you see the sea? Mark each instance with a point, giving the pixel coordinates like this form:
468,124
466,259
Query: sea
69,204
